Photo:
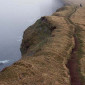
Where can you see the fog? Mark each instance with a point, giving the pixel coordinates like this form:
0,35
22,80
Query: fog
75,1
15,17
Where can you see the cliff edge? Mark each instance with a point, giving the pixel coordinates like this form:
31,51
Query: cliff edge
53,51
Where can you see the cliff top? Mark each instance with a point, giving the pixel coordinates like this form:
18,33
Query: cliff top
46,48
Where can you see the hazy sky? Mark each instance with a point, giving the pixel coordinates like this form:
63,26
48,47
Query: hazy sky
15,17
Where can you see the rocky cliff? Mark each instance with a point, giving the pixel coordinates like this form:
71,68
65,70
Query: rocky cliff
53,51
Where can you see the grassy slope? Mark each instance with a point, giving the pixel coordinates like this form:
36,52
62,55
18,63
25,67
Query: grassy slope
79,19
48,65
35,36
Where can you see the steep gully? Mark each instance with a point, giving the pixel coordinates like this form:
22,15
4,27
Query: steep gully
73,62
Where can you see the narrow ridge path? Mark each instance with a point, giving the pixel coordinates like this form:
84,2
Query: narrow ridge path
73,64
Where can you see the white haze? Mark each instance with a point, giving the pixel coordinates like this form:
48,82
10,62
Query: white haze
15,17
75,1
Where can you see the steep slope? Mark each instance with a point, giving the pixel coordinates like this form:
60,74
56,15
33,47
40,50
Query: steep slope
47,49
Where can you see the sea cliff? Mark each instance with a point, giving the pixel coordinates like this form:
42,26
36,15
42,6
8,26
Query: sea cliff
47,47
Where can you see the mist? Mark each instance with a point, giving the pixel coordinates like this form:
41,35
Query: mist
75,1
15,17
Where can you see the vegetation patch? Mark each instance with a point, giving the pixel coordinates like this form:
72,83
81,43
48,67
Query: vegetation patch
62,9
36,36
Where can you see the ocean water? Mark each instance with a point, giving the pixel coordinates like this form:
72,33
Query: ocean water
15,17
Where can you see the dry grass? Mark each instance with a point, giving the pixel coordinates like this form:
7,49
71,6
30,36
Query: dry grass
79,19
48,65
63,11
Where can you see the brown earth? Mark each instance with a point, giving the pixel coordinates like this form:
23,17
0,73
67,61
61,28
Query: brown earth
46,48
73,64
79,21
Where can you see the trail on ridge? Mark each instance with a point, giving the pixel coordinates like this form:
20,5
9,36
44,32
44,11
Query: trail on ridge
73,64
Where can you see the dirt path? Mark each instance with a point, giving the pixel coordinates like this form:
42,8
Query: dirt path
73,64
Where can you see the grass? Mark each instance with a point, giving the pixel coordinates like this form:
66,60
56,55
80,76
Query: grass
51,54
61,9
80,51
80,43
39,33
76,34
7,74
